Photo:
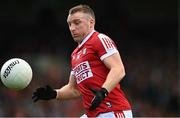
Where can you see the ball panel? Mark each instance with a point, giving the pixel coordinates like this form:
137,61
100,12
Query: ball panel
16,74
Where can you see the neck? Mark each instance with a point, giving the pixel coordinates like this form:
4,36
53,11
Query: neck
85,36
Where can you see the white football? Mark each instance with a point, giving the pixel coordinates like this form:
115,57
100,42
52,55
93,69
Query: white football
16,74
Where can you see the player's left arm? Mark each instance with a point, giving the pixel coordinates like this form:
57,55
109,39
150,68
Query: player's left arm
116,73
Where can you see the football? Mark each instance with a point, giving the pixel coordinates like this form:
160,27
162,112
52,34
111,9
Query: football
16,74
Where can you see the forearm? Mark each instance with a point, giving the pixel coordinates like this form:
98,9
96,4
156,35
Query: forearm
67,92
113,78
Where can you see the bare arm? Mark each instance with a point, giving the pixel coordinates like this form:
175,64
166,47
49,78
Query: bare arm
116,73
68,91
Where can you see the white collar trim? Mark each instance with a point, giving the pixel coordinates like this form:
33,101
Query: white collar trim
86,38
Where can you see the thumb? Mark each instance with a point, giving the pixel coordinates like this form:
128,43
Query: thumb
93,90
48,87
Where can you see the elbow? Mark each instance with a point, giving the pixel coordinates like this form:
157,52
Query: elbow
122,73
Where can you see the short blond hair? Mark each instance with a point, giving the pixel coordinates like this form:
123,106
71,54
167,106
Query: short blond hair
82,8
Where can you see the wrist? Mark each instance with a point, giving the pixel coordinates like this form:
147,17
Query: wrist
105,91
106,87
57,94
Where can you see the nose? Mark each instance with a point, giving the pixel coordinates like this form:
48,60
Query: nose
72,27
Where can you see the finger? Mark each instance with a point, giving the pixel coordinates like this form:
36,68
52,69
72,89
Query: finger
93,99
35,93
48,88
93,106
36,99
39,89
33,96
93,90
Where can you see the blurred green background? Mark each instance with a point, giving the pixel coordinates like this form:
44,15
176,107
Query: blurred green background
146,33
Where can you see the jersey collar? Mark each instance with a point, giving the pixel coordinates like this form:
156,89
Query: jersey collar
86,38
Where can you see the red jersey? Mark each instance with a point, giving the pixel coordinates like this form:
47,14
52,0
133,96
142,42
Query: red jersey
90,72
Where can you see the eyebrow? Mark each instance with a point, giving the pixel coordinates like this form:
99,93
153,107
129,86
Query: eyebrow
73,20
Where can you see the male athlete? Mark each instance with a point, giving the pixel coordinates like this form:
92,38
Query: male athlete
97,69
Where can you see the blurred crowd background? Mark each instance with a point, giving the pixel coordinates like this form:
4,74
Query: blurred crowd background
146,33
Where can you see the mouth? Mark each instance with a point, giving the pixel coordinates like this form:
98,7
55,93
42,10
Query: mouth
75,35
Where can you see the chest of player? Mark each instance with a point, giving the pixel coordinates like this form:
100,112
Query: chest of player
84,60
85,54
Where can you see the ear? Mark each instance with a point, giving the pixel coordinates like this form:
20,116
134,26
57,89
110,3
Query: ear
92,23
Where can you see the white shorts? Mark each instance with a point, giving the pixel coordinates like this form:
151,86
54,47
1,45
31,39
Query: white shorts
123,114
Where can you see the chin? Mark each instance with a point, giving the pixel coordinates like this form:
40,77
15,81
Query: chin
77,39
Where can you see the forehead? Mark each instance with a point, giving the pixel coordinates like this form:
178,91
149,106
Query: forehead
77,15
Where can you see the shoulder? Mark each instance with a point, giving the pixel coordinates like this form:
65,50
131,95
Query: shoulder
106,41
99,35
100,38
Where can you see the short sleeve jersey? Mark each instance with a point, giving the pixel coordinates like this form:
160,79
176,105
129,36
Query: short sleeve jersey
90,72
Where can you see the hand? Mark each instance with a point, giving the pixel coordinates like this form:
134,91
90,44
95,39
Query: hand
44,93
98,98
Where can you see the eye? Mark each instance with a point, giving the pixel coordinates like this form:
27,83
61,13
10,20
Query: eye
77,22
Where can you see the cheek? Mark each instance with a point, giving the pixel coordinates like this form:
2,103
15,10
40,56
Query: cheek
83,27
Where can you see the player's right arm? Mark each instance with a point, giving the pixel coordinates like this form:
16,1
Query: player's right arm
68,91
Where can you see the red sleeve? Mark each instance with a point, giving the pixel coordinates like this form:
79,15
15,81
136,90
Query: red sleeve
104,46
